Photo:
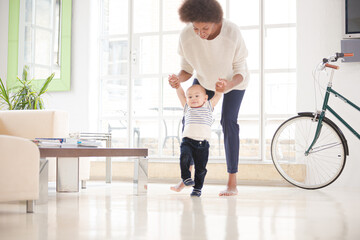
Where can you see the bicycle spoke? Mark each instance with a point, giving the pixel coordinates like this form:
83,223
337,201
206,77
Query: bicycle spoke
324,147
323,168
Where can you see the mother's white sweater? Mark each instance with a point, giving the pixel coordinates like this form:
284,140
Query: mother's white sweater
221,57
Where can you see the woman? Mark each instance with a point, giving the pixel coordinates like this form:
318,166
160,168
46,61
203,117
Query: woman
215,49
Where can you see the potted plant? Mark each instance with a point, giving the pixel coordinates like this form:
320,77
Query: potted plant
23,96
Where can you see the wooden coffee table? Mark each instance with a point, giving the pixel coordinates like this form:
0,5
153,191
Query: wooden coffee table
67,165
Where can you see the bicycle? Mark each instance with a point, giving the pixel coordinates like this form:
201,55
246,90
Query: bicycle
309,150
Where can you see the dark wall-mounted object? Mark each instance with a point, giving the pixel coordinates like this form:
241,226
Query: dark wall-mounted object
351,46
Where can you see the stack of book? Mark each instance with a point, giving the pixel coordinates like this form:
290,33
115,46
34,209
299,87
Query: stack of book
65,142
49,142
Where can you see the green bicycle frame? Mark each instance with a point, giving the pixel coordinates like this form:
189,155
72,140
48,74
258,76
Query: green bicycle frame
327,107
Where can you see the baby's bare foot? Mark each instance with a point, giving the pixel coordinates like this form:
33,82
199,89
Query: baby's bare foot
178,187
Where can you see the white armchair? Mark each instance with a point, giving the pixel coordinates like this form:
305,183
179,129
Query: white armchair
19,170
33,124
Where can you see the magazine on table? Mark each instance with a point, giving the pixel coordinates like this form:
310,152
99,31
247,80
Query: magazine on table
48,142
65,142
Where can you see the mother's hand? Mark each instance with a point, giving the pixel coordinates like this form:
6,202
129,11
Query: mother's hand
221,85
174,81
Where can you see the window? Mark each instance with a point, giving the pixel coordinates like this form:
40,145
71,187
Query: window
39,30
139,50
40,37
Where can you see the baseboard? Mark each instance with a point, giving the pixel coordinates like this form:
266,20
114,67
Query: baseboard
249,174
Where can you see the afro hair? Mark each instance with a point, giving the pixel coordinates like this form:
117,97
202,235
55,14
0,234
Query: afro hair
201,11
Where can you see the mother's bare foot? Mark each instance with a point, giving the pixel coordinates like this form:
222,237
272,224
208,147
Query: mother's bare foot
229,192
178,187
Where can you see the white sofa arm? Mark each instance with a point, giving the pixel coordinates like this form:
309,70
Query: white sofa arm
19,169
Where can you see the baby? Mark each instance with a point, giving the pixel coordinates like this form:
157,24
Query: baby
196,135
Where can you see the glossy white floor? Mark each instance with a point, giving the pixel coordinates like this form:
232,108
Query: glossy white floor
111,211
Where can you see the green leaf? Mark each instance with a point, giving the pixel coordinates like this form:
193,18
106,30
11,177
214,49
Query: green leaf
46,84
25,73
4,95
3,91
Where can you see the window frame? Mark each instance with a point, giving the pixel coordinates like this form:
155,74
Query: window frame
57,84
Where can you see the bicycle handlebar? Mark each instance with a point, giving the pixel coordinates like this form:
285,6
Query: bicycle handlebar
334,58
331,66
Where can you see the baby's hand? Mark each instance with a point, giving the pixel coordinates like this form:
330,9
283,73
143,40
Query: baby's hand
174,81
220,85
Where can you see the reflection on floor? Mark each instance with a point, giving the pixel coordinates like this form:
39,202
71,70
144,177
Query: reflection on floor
111,211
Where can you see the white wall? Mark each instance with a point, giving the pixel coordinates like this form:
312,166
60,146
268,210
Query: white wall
319,26
81,100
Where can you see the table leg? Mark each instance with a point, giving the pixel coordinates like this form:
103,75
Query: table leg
108,162
30,206
140,176
108,170
67,174
83,184
43,181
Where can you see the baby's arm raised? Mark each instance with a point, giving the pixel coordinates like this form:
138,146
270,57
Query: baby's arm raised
215,99
181,95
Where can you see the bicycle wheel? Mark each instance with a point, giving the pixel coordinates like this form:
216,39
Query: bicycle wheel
321,166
